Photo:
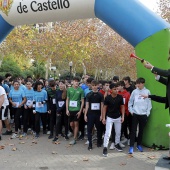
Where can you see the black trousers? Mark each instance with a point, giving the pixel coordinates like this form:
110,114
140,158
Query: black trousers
43,117
82,124
141,120
28,119
127,126
17,113
94,119
52,121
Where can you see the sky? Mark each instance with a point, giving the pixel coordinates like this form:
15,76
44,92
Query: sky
151,4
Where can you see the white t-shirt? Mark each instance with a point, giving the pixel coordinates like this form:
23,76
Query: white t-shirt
2,92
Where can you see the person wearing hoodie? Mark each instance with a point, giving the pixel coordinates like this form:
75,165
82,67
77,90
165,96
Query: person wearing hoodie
140,110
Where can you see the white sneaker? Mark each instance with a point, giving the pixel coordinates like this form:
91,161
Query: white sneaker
48,132
24,134
87,142
14,135
121,145
128,142
112,146
29,129
70,135
124,140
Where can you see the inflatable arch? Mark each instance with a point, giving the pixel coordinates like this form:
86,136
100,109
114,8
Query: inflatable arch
148,33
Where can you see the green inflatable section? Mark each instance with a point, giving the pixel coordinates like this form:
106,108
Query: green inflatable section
155,49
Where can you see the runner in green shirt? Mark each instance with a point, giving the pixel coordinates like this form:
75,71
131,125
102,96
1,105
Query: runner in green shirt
74,106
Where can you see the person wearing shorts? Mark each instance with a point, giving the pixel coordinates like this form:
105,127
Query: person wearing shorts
74,106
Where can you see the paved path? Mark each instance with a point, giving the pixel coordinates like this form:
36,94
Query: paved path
48,156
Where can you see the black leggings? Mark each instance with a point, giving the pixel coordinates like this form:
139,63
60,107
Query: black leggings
43,117
17,113
28,118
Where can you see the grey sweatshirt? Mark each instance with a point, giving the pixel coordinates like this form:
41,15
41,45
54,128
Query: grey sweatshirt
138,104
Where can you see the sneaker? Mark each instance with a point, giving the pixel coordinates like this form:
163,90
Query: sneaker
37,135
15,135
118,148
24,134
55,139
128,142
105,151
130,150
50,137
48,132
73,142
70,134
87,142
66,137
80,137
33,133
166,157
139,147
7,132
29,129
122,145
90,147
112,146
124,140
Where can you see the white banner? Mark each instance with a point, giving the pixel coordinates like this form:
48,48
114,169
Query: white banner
19,12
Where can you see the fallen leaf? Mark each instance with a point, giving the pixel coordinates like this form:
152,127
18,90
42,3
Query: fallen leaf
151,149
54,152
85,159
130,156
151,157
14,149
22,142
123,164
2,147
11,144
56,143
35,142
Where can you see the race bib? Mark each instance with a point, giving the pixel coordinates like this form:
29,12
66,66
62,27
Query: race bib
95,106
16,104
60,103
73,104
39,104
138,98
29,102
54,101
124,100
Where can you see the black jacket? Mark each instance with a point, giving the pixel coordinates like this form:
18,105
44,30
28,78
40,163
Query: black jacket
164,79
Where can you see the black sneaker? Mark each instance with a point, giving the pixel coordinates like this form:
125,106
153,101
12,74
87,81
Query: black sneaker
50,137
7,132
90,147
66,137
105,151
118,148
55,139
81,137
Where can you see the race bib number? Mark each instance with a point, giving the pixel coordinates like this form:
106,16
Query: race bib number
39,104
60,103
54,101
29,102
16,104
73,104
95,106
138,98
